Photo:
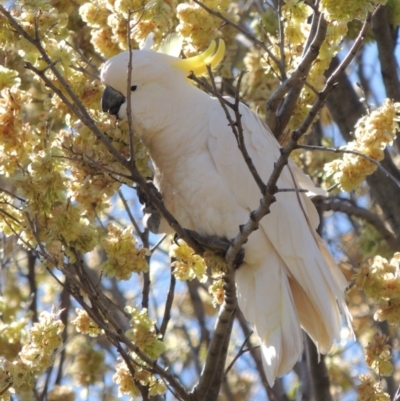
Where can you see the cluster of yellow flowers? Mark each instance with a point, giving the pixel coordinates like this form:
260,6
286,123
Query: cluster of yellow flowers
380,280
294,15
348,10
123,258
369,390
143,333
109,22
187,265
36,152
296,30
126,383
90,185
18,375
377,355
373,133
85,325
260,80
197,25
45,337
216,289
16,138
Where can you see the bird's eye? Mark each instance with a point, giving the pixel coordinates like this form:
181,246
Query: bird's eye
133,88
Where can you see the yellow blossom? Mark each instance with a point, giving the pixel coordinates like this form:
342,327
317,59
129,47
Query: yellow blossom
216,289
85,325
197,25
380,279
45,337
377,355
373,133
143,333
123,256
187,265
370,391
125,381
127,385
348,10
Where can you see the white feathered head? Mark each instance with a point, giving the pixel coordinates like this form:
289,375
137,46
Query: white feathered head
155,75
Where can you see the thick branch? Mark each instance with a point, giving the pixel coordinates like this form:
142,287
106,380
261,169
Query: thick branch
317,367
219,340
386,47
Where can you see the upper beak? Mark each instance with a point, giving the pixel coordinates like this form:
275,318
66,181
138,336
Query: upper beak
112,100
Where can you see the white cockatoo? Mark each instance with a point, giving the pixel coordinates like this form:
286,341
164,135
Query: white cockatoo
288,279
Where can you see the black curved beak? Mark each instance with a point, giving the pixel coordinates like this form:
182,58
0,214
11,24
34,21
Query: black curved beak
112,100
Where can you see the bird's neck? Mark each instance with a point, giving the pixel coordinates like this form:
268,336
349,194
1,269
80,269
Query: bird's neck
177,129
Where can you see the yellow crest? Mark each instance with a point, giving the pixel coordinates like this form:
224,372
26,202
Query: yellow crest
198,64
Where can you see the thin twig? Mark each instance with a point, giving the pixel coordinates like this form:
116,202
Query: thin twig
13,195
298,190
168,305
158,243
128,95
130,215
239,354
281,33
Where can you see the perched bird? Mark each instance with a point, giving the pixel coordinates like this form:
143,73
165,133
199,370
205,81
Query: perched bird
288,279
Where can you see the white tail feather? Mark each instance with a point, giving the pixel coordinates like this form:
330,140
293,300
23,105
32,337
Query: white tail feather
280,291
265,299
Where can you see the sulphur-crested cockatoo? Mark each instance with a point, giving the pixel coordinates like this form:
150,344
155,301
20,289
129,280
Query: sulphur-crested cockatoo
288,278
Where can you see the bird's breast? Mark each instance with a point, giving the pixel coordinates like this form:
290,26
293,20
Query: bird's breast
195,194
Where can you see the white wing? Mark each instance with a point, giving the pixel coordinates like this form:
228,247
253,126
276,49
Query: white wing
288,275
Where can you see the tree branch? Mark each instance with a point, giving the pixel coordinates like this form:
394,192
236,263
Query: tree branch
219,339
345,206
168,305
277,119
386,47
